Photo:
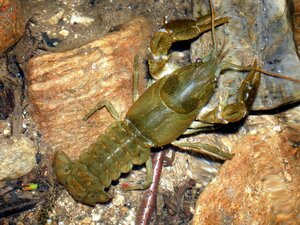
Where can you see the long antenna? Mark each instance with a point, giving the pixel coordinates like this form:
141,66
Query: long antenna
213,24
243,67
274,74
247,68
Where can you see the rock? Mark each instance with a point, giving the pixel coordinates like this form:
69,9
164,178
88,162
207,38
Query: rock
5,129
56,18
260,185
64,86
64,32
96,217
12,23
296,22
81,19
87,220
17,158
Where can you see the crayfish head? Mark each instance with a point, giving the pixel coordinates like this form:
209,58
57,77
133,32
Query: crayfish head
62,166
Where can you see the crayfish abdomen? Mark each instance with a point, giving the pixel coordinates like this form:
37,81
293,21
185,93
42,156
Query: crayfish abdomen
113,153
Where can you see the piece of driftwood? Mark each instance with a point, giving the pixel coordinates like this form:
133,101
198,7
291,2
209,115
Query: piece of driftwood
64,86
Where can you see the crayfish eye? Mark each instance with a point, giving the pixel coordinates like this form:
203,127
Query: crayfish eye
198,60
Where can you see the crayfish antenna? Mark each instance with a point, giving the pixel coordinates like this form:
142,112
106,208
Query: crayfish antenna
213,25
232,66
215,52
276,75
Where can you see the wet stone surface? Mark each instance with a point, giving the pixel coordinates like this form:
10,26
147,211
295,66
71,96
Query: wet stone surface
17,157
57,30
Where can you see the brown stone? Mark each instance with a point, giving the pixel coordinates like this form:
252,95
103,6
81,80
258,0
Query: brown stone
296,22
260,185
64,86
12,23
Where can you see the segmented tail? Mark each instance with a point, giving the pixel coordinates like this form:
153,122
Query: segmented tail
65,170
62,164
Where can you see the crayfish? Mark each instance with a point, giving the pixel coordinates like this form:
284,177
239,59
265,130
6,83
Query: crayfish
165,111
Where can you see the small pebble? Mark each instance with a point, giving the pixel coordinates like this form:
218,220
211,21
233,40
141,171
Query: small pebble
81,19
64,33
288,176
253,132
277,129
6,132
119,200
96,217
87,220
124,210
58,16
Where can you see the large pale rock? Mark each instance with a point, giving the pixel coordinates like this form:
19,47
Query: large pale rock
64,86
17,157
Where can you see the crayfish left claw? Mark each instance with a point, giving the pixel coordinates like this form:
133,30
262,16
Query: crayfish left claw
178,30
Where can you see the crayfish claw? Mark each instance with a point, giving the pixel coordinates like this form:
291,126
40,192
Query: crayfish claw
178,30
